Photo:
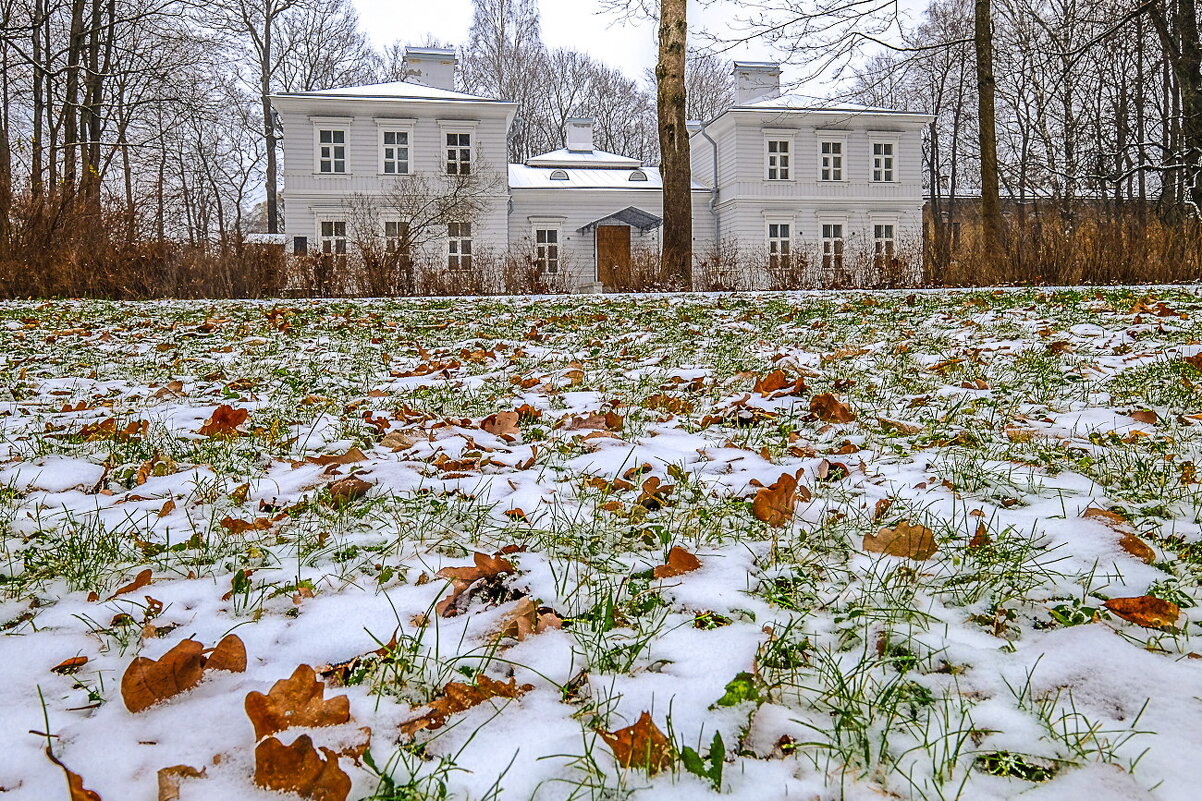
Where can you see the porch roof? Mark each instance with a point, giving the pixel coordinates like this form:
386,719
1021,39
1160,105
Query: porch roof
632,216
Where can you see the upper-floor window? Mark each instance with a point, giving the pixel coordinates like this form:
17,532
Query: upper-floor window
884,243
832,246
780,245
778,159
396,152
331,157
546,250
831,168
459,153
333,236
459,246
882,162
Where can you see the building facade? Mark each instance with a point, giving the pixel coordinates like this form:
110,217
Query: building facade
826,195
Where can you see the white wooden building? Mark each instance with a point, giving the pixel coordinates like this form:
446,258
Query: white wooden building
776,179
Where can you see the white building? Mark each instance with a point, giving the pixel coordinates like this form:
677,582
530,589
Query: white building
832,192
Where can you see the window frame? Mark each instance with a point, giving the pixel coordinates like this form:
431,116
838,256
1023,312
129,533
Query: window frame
833,248
780,258
332,124
385,126
460,259
883,248
335,157
824,168
392,240
894,145
783,158
340,243
459,149
546,263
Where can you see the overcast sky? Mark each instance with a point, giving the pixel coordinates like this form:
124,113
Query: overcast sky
579,24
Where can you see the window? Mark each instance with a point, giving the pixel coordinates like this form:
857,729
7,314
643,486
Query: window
882,162
459,154
459,246
832,246
832,161
637,175
559,175
780,245
884,244
778,159
332,151
396,235
546,250
396,152
333,237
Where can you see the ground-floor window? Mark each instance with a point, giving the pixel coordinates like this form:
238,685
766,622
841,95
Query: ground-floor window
884,244
546,250
395,235
780,245
832,246
333,236
459,246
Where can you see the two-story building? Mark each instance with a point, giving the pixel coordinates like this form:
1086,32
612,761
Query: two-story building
833,194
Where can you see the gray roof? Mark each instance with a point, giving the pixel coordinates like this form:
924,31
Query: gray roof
634,217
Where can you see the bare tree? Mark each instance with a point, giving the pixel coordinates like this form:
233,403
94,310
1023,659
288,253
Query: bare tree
675,163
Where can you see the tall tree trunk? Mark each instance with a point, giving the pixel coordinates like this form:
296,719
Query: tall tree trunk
269,135
71,104
36,146
1178,32
993,235
675,166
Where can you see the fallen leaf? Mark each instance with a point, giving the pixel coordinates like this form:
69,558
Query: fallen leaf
1128,540
229,655
525,620
830,409
300,769
1146,611
350,457
462,578
775,380
680,562
167,508
170,778
75,789
501,423
236,525
226,421
346,490
775,503
147,682
641,745
1145,416
295,701
906,540
459,697
140,581
980,537
906,429
69,666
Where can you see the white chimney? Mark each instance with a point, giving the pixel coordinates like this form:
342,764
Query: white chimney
580,134
431,66
756,80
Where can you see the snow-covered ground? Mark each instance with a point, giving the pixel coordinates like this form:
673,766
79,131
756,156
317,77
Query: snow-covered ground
505,529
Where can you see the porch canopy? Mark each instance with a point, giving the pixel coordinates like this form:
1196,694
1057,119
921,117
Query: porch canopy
632,216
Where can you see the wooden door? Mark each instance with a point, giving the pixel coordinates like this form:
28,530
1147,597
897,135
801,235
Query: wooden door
613,256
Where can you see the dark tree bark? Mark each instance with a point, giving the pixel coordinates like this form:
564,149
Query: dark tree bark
1177,28
991,208
677,252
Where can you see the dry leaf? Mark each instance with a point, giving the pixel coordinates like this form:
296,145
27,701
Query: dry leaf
75,789
775,503
300,769
906,429
981,537
69,666
226,421
642,745
524,621
1128,540
346,490
486,567
397,441
680,562
147,682
1146,611
1145,416
459,697
170,778
167,508
501,423
229,655
295,701
906,540
775,380
140,581
830,409
350,457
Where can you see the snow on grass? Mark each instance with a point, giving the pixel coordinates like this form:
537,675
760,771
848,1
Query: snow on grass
375,454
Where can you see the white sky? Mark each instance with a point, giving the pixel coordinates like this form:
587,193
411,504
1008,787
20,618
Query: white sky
579,24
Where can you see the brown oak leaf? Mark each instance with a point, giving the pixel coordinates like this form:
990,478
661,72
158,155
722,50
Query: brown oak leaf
1128,540
460,697
486,567
140,581
525,620
295,701
300,769
774,504
226,421
906,540
641,745
777,379
680,562
346,490
75,789
147,681
229,655
1146,611
829,409
170,779
501,423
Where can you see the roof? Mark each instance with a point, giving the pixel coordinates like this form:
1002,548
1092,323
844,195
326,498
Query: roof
795,102
632,216
523,176
398,89
583,158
